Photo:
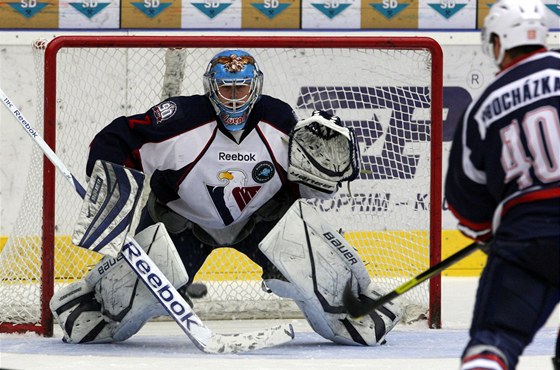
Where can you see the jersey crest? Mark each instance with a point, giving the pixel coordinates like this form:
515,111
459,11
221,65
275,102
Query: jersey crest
164,111
263,172
231,198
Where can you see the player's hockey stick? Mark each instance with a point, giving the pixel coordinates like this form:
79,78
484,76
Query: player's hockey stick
357,307
157,282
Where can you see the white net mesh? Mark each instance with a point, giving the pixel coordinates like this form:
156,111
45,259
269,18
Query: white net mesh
383,93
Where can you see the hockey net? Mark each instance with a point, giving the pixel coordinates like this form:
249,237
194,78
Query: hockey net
388,89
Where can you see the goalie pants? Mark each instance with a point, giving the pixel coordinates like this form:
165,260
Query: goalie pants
518,291
193,252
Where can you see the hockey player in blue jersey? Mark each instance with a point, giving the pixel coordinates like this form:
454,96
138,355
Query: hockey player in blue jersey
229,168
503,184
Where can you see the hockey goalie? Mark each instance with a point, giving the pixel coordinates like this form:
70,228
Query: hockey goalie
230,168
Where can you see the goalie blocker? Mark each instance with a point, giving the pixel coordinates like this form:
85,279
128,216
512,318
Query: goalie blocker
316,263
323,153
108,208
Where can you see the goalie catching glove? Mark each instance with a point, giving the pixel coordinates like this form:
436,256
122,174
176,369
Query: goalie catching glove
323,153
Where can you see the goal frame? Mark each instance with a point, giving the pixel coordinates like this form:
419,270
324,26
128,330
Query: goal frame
45,327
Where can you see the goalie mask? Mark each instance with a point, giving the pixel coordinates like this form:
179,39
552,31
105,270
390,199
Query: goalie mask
233,82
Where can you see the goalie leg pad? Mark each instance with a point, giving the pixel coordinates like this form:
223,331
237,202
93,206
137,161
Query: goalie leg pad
340,327
125,298
123,301
317,262
77,311
386,316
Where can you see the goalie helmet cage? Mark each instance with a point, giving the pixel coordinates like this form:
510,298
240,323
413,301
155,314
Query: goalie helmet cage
388,88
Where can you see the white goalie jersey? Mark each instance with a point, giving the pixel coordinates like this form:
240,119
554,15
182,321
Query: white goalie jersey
198,169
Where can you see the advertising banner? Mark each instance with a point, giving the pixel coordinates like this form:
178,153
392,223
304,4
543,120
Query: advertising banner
89,14
151,14
553,13
270,14
447,14
333,14
29,14
221,14
389,14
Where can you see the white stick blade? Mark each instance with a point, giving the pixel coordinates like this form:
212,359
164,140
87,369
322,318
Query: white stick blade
252,341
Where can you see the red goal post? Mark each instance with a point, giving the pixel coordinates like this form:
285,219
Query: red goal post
388,88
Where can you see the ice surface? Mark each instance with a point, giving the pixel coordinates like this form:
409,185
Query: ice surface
162,345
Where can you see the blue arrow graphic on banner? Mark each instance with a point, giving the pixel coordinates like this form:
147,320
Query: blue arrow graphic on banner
330,11
211,12
447,12
389,12
89,11
271,12
28,12
151,11
555,8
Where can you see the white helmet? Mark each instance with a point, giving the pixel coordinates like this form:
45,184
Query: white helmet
517,23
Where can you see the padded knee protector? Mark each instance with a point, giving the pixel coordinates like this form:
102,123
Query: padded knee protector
120,299
340,327
77,311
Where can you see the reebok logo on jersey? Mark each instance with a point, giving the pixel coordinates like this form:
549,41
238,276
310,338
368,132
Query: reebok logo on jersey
237,157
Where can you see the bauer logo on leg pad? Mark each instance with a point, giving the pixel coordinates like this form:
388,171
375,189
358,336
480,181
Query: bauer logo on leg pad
105,266
341,247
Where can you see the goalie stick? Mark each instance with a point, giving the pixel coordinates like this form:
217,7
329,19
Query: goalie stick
202,337
357,307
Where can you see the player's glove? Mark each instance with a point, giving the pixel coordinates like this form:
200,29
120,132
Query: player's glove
323,153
